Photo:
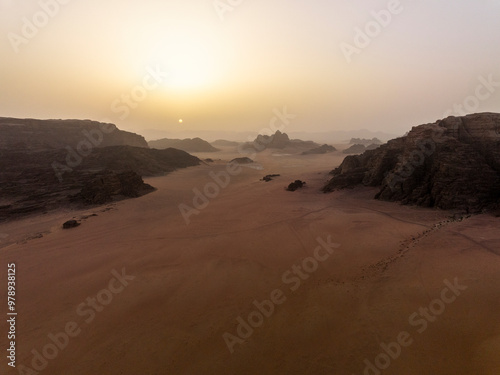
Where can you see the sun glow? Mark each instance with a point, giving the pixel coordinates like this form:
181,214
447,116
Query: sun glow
189,66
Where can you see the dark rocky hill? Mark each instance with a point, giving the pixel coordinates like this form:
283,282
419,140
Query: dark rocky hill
188,144
451,164
30,134
224,143
279,141
40,181
355,149
320,150
365,142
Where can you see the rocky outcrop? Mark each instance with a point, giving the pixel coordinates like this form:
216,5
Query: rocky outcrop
320,150
453,163
297,184
243,160
71,224
269,177
224,143
29,134
40,181
278,141
108,186
365,142
373,146
188,144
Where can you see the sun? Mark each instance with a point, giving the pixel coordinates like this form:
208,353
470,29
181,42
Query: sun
180,121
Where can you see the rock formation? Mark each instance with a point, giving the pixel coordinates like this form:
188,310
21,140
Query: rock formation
372,146
108,186
224,143
278,141
269,177
29,183
320,150
355,149
297,184
29,134
365,142
453,163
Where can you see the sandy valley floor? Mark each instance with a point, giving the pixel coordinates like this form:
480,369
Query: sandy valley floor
400,273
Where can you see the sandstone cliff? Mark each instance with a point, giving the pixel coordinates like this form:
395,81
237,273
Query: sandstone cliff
40,181
30,134
452,163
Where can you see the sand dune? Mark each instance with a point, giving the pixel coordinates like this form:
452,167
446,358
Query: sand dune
189,284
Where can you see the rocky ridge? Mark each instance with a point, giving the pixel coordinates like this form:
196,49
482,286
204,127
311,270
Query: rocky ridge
188,144
31,134
453,163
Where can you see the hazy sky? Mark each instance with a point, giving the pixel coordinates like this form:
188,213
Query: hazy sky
146,64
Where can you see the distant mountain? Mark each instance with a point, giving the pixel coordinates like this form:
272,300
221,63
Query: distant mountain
188,144
320,150
330,137
342,136
30,134
365,142
451,164
279,141
224,143
372,146
355,149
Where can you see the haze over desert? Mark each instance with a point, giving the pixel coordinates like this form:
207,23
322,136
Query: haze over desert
223,187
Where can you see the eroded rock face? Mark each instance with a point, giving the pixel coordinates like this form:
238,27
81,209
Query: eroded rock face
320,150
453,163
355,149
278,140
71,224
107,186
29,184
188,144
29,134
297,184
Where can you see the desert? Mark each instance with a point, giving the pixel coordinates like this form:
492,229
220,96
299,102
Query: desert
227,187
186,289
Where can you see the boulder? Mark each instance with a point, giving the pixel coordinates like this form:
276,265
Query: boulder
70,224
297,184
355,149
